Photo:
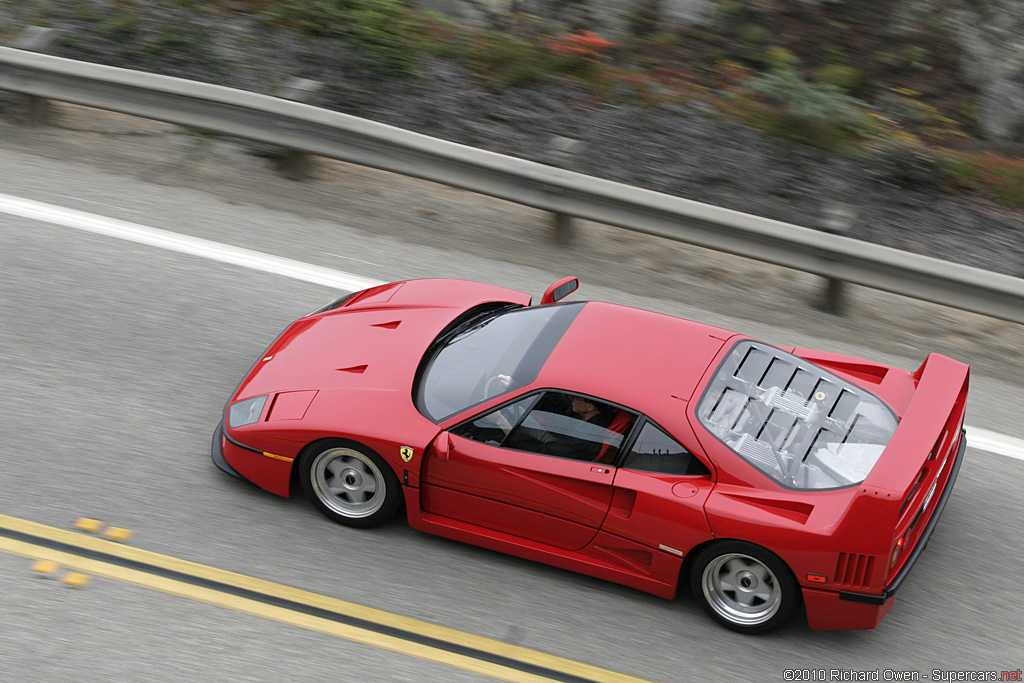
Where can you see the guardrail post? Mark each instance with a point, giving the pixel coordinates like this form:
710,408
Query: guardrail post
563,155
297,165
41,40
838,219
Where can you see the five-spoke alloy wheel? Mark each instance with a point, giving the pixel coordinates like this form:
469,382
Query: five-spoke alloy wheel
744,587
349,483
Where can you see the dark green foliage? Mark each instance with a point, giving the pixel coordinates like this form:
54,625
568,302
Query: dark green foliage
999,178
123,27
644,20
909,166
507,59
846,78
753,43
381,27
818,114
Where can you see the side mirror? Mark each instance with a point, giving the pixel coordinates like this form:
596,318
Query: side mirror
443,445
560,290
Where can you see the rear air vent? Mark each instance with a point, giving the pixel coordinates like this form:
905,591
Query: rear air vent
854,570
913,490
389,326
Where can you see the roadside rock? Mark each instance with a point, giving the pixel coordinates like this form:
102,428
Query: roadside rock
993,44
987,33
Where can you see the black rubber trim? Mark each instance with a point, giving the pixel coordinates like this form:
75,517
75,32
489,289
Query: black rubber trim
891,589
337,617
865,597
217,453
239,443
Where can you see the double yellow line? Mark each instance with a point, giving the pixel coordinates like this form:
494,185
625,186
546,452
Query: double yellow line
384,630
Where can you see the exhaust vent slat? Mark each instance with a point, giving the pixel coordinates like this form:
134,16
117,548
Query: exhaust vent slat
854,570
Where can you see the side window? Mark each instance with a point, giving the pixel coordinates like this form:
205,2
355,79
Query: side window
656,451
493,427
571,426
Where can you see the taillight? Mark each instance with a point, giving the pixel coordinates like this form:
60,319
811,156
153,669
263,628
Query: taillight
897,549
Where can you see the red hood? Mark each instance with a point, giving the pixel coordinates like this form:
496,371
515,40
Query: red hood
375,342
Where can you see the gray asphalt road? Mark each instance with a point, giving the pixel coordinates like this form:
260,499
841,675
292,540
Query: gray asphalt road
115,360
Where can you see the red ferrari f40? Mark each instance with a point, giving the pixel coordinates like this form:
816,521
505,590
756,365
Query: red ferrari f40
632,446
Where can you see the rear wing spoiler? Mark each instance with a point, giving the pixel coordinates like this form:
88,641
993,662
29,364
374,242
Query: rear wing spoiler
929,428
917,470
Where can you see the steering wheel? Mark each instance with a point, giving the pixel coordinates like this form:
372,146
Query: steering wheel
498,384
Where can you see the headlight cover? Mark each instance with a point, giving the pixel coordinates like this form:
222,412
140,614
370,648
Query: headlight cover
246,412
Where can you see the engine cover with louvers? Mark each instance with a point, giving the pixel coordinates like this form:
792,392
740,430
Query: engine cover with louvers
796,422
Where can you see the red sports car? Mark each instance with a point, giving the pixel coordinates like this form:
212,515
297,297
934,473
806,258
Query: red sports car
628,445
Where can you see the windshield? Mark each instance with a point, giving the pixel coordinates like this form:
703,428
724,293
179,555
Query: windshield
794,421
490,356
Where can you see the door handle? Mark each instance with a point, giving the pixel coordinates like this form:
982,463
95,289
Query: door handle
600,470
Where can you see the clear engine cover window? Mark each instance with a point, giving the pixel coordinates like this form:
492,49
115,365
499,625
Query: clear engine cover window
794,421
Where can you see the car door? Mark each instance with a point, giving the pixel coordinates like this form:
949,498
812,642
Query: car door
527,469
660,489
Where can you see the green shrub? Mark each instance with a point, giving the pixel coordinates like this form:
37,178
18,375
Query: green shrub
916,56
383,28
753,42
728,72
536,54
908,57
780,58
817,114
904,106
908,165
84,11
644,19
846,78
507,59
123,26
172,41
999,178
937,24
729,8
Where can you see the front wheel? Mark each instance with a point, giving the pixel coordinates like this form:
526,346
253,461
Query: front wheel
350,484
744,587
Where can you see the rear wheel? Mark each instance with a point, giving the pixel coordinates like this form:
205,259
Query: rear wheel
349,483
744,587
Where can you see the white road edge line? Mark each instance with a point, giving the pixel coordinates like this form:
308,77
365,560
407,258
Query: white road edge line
994,442
982,439
185,244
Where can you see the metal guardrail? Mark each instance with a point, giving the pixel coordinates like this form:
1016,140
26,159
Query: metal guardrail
304,128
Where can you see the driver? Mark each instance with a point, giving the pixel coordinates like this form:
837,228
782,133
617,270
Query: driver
585,410
588,411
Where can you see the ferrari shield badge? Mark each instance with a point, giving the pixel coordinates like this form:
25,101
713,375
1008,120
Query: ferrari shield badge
406,453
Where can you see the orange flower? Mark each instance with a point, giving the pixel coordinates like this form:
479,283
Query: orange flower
582,45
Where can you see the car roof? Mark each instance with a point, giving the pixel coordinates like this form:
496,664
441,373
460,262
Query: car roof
643,360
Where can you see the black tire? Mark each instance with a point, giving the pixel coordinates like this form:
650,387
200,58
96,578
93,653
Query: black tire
349,483
744,587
